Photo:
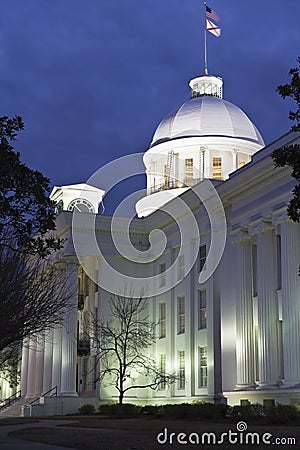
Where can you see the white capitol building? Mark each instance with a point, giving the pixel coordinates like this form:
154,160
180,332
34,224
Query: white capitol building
233,334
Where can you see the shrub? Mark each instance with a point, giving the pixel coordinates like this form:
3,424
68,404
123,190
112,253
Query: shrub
205,410
108,409
279,414
247,412
127,409
177,411
196,409
152,410
87,409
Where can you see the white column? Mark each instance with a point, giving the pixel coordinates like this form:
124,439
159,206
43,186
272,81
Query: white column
39,365
235,159
244,315
48,355
56,358
267,307
31,368
290,260
201,175
69,333
24,367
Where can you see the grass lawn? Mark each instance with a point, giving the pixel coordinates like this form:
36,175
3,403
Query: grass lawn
98,433
15,421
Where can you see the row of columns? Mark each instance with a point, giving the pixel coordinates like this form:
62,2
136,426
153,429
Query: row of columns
268,351
50,359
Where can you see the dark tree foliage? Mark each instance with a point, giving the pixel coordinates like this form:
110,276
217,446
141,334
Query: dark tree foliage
292,90
290,155
26,211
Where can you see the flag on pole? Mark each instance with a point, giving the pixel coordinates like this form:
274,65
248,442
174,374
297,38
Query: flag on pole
211,14
213,28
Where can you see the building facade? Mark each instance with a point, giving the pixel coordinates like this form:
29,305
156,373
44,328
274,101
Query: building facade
232,333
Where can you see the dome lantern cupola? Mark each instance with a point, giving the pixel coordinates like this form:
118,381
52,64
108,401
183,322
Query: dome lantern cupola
207,85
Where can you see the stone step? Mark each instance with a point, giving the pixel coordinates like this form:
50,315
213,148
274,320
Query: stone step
14,410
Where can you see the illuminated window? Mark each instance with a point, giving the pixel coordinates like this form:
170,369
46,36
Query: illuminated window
162,369
181,267
217,168
202,366
189,171
162,320
162,271
201,257
181,314
202,309
181,384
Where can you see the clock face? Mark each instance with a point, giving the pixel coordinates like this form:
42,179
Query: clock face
81,205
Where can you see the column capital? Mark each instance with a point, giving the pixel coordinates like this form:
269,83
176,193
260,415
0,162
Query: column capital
66,262
279,218
253,230
260,225
265,226
70,260
241,235
59,265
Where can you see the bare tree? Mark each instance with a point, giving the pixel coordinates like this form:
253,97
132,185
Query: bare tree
123,343
33,299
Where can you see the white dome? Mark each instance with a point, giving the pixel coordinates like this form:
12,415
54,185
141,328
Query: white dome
207,116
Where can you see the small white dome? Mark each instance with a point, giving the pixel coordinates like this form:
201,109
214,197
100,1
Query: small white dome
207,116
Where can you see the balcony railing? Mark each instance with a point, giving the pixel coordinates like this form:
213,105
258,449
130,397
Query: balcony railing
188,182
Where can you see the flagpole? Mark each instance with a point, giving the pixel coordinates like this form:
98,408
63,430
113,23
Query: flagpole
205,45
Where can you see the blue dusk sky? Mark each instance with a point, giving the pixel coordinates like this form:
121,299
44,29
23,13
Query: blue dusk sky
93,79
